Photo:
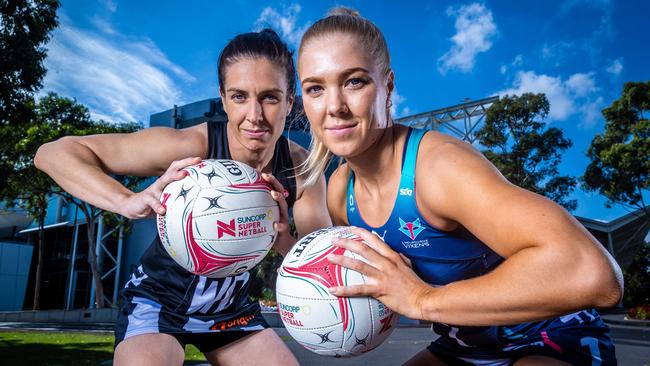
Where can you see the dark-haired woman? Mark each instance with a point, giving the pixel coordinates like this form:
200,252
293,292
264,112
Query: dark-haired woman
506,276
165,307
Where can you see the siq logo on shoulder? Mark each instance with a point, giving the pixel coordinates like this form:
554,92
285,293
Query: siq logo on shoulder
405,192
232,167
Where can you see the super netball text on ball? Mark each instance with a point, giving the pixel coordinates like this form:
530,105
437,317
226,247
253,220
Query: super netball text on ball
244,226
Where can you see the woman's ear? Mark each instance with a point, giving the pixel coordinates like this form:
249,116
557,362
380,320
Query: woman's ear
390,86
390,82
290,101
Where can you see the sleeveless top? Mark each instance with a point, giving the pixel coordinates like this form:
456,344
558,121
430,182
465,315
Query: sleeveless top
438,257
441,257
195,303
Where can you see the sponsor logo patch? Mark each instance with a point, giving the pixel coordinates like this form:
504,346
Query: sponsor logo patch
239,322
411,229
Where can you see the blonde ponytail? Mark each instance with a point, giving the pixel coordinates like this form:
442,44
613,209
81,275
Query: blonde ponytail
316,163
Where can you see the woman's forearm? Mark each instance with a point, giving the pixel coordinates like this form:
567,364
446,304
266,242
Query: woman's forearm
533,284
78,171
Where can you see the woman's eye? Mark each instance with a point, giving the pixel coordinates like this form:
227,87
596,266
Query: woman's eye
271,98
356,82
313,90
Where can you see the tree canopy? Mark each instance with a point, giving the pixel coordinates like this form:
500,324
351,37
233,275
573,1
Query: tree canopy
525,149
620,156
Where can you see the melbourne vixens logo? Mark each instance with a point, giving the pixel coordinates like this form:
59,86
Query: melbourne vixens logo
411,229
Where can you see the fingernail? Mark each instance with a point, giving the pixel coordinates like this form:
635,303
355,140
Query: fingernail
275,194
285,193
333,290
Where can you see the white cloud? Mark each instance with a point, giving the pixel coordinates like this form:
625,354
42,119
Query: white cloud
285,22
118,78
591,111
581,84
518,61
397,101
110,5
474,31
566,97
615,68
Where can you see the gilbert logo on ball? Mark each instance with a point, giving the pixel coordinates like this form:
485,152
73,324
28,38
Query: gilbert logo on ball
319,321
219,219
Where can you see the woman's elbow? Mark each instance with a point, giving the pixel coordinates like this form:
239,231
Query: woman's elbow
40,158
47,152
606,287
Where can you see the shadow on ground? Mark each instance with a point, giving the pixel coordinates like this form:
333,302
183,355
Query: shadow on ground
18,353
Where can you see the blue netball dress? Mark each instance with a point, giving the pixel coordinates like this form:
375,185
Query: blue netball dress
441,257
163,297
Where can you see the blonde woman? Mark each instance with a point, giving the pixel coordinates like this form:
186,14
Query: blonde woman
506,276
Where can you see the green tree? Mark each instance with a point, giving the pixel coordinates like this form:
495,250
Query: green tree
54,117
25,28
526,151
620,157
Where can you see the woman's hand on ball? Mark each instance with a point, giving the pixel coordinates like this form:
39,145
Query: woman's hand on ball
388,274
147,202
284,240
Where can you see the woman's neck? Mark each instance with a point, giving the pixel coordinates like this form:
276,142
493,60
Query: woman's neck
380,162
257,159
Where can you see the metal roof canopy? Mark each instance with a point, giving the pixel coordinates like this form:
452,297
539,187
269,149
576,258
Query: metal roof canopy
52,226
622,236
461,120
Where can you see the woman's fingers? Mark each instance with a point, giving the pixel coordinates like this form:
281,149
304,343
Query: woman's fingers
374,242
282,225
353,264
351,291
275,183
183,163
153,201
361,248
175,172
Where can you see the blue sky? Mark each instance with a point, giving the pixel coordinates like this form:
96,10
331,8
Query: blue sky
128,59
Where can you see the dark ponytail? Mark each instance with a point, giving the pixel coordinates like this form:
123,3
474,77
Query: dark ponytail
256,45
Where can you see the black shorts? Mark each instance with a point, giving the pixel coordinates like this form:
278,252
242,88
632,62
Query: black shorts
162,297
208,342
580,338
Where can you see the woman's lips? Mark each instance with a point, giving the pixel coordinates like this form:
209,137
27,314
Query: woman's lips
341,130
255,133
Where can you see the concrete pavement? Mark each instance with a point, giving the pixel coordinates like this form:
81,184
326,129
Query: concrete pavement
632,341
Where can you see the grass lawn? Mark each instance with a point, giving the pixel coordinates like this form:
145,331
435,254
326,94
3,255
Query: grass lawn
63,348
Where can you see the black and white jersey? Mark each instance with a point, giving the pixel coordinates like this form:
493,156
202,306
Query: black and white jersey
162,297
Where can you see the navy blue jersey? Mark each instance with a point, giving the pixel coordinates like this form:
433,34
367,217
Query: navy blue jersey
441,257
162,297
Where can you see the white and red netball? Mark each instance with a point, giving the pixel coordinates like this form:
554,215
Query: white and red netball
219,219
319,321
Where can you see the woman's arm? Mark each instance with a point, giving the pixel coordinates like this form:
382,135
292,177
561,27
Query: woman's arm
309,209
553,265
81,165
